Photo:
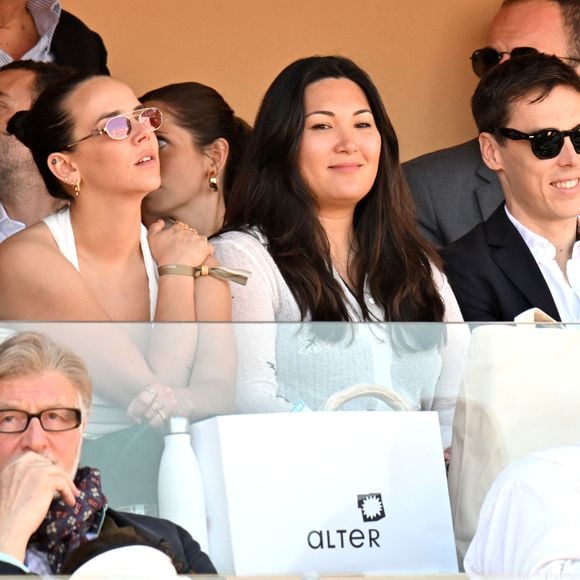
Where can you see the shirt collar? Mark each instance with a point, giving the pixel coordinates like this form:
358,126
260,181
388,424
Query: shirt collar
8,226
542,249
46,14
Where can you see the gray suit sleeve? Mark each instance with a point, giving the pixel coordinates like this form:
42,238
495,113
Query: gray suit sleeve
426,218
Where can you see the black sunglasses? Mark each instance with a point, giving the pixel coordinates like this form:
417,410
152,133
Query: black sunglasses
547,143
486,58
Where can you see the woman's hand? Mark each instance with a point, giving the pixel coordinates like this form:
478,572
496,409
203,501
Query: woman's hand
155,404
178,244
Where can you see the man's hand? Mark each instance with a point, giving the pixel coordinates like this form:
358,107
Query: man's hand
28,484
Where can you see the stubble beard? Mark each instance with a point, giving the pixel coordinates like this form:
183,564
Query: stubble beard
18,172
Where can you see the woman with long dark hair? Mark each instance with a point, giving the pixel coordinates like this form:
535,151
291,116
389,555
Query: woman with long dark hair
322,217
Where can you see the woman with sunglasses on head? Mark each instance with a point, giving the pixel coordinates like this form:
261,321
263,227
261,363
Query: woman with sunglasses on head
201,143
94,145
322,217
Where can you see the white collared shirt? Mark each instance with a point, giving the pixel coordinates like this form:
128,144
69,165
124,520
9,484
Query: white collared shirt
8,226
46,14
566,294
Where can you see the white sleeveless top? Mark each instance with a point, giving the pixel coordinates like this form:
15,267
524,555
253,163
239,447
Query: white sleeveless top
60,227
106,415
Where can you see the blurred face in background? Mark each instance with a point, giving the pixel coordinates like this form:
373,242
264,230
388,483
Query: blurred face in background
537,24
16,91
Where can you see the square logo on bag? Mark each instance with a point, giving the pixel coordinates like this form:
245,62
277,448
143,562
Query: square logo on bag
371,507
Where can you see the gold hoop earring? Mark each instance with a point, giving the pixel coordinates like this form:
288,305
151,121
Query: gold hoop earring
77,188
213,183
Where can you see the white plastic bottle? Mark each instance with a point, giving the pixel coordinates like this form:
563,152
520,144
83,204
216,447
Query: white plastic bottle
180,486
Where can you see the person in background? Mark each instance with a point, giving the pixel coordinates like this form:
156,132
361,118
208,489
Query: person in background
527,253
529,524
49,506
453,189
201,144
321,216
24,199
40,30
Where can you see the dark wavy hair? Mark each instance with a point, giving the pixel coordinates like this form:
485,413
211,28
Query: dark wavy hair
48,127
203,112
271,194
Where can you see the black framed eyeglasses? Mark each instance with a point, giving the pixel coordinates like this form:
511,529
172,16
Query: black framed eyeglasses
53,420
484,59
119,127
546,143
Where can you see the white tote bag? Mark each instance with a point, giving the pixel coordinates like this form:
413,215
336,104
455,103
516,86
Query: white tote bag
521,393
332,493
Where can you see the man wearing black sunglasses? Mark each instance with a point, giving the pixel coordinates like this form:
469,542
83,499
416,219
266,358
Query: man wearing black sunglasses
527,254
453,189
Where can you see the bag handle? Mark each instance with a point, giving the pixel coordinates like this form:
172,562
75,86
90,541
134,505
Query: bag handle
537,316
396,401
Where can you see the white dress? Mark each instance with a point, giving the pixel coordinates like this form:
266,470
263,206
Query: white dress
106,416
60,227
282,366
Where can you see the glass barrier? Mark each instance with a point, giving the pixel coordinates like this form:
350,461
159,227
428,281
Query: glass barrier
270,488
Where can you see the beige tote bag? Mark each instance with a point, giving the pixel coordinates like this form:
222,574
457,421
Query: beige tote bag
521,393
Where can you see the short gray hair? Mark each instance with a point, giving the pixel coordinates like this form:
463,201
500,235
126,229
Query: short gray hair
29,353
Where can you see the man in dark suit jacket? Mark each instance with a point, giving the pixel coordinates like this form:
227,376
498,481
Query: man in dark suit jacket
452,188
493,274
120,527
525,255
49,507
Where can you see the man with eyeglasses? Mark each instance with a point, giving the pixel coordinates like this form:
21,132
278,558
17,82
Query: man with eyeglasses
49,506
527,254
453,189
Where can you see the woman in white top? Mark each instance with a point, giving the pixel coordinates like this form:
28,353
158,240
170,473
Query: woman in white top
322,218
94,145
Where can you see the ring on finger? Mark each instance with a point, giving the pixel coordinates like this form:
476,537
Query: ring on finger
161,414
185,226
155,406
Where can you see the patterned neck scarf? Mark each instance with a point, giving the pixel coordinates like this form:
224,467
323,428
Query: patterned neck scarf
65,527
